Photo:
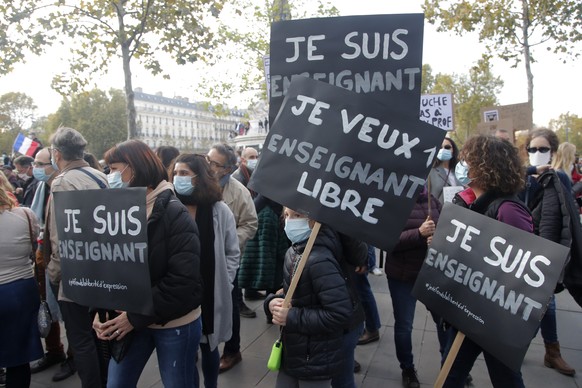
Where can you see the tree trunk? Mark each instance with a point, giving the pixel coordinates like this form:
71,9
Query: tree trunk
124,43
526,51
129,96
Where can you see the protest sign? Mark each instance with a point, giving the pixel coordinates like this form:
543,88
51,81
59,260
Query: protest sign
501,128
489,280
347,160
376,54
521,114
103,248
437,110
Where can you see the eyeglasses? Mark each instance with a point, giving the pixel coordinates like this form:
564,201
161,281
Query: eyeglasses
447,147
214,164
533,150
40,164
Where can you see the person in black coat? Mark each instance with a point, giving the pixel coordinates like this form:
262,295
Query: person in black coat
313,326
173,328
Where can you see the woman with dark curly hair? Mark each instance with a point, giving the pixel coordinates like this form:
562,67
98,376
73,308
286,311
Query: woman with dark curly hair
493,172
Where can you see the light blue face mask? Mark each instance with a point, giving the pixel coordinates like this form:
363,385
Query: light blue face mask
297,229
224,180
54,164
444,154
40,174
462,173
115,181
183,185
252,163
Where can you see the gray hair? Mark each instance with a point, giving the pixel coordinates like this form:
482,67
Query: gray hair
69,142
226,151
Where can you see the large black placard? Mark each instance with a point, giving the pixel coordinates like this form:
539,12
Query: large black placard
377,54
489,280
347,160
103,248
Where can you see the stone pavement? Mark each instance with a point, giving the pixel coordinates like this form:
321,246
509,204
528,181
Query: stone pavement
378,359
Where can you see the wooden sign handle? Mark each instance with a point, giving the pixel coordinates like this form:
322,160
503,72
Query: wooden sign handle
302,261
446,368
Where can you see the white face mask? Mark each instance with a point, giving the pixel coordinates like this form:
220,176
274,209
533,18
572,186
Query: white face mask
539,159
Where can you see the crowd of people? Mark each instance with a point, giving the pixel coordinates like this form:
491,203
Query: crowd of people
210,237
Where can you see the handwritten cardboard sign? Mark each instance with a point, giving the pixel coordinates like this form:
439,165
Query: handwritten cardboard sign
373,54
346,160
103,248
489,280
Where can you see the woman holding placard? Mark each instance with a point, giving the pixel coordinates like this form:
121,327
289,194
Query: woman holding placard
199,190
313,325
442,176
174,327
491,169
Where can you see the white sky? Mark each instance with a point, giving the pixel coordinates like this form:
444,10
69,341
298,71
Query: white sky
556,85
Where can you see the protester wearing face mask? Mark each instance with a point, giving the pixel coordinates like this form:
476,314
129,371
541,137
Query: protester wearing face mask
544,202
173,328
198,190
222,161
442,173
312,327
45,173
248,162
25,193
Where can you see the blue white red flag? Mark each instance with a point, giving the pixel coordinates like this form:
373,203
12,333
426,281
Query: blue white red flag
25,145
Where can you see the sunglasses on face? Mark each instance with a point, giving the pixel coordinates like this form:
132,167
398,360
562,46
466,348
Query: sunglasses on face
447,147
533,150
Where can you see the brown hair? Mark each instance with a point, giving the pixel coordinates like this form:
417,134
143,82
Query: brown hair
5,198
546,133
494,164
148,170
207,190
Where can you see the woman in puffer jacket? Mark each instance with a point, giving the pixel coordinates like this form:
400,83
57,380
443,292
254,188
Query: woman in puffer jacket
313,325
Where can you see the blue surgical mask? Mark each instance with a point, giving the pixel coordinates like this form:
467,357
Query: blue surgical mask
183,185
297,229
224,180
40,174
115,181
462,173
444,154
252,163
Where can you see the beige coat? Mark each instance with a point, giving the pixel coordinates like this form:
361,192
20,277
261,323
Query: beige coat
68,179
239,201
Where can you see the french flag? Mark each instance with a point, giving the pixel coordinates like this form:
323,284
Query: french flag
25,145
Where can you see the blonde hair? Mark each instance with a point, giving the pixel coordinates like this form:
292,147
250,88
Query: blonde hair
564,158
5,188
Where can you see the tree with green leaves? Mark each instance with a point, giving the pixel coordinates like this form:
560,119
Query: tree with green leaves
99,30
17,110
512,28
249,37
568,127
471,92
98,115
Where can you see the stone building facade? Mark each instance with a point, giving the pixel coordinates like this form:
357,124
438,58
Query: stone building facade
189,126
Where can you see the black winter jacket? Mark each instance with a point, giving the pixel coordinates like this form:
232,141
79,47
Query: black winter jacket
174,262
405,260
320,310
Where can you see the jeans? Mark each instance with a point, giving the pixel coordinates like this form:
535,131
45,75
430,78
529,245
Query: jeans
404,304
371,257
501,376
82,340
232,346
346,377
368,302
210,365
176,349
548,325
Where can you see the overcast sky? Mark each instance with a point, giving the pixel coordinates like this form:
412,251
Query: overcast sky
556,85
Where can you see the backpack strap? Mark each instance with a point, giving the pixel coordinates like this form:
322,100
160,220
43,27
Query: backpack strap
91,175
